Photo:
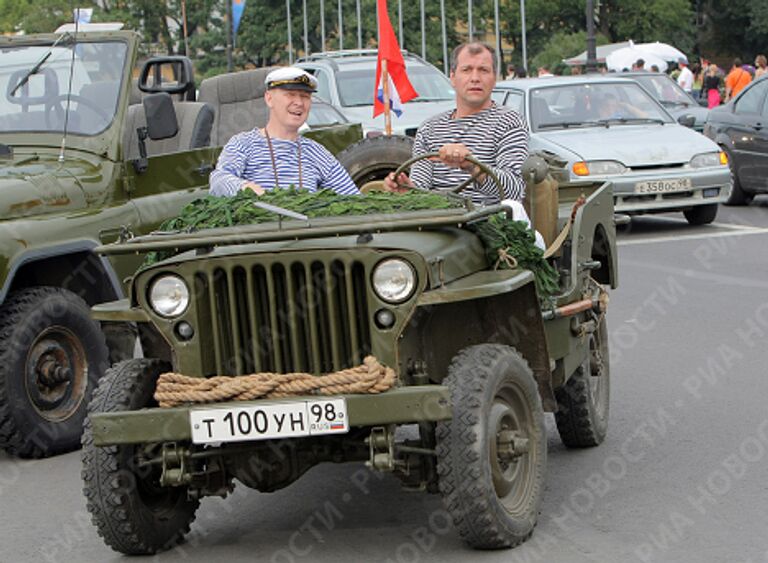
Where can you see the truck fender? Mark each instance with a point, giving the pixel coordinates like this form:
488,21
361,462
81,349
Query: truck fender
91,268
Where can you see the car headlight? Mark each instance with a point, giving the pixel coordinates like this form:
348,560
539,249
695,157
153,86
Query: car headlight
709,159
598,168
169,296
394,280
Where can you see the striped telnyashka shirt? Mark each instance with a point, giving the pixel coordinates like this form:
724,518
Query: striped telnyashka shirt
496,136
246,157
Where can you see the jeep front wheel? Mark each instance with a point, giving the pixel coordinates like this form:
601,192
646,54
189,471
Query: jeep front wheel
492,454
582,415
51,355
134,514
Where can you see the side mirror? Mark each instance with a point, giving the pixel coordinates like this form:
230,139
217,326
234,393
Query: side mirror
161,116
687,120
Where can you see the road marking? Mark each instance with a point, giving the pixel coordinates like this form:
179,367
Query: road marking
737,231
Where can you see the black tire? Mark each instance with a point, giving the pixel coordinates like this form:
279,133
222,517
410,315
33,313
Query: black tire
583,402
737,196
51,356
132,512
374,157
701,214
493,499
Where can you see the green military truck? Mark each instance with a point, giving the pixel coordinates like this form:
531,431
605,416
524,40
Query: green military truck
85,159
460,360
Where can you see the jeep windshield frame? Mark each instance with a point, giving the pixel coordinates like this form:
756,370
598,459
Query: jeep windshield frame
300,230
41,99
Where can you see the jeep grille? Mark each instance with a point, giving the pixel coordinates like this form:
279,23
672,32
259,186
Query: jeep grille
284,317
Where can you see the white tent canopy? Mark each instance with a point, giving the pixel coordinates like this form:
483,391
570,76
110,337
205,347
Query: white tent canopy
662,51
622,59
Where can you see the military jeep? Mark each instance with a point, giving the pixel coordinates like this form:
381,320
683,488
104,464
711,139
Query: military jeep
478,358
87,157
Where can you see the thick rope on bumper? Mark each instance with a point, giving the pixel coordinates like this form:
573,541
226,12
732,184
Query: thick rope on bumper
175,389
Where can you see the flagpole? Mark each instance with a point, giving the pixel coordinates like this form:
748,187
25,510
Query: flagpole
290,35
184,21
385,87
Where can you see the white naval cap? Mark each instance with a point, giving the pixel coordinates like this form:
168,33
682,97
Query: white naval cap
291,78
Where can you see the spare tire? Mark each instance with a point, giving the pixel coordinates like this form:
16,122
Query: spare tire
375,157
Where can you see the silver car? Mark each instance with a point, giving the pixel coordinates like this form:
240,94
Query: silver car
346,80
609,128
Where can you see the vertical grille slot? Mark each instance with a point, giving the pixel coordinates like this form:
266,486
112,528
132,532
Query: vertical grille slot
262,319
360,299
319,289
242,326
202,294
223,323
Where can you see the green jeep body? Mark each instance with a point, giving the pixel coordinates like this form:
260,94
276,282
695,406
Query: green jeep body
61,199
472,346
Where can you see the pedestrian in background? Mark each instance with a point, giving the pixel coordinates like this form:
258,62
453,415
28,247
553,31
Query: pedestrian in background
761,66
736,80
520,72
698,79
711,86
685,78
639,64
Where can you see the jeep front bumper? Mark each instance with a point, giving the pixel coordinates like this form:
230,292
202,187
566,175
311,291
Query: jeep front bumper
405,405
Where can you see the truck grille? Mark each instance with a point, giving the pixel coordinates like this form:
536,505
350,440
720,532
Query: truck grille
284,317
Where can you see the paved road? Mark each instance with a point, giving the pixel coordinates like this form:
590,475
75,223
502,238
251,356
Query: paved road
681,477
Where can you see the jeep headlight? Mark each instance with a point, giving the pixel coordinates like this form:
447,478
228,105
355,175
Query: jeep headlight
394,280
169,296
709,160
598,168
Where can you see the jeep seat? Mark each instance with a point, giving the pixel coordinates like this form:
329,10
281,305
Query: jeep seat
194,121
238,100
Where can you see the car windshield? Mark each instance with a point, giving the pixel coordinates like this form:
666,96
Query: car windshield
323,114
39,103
593,105
665,90
356,86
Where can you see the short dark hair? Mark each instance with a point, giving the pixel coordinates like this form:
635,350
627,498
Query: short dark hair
640,63
521,72
737,61
474,48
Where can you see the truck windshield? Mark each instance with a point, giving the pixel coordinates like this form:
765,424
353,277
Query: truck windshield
40,104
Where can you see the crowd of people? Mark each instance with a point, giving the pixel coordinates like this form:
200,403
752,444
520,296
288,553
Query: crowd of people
703,80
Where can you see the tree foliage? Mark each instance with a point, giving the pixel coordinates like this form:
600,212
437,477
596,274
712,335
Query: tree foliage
554,28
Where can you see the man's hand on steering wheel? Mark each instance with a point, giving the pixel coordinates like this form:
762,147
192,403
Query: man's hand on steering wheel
455,155
398,185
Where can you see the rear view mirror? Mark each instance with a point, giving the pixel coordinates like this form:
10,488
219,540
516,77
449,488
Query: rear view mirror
686,120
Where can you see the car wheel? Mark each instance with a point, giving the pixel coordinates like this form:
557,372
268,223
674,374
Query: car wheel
132,511
737,195
492,454
701,214
373,158
51,356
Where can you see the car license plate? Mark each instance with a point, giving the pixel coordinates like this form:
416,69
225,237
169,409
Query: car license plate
269,420
662,186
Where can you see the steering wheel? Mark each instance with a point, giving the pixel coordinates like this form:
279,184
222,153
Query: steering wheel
55,104
480,169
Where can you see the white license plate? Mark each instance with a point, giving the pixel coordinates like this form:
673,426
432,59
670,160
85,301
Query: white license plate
663,186
269,420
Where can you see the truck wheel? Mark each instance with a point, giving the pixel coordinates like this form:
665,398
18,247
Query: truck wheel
133,513
373,158
51,355
582,416
492,455
701,214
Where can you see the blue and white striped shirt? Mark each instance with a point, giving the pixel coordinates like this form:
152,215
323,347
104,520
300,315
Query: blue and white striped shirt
246,157
496,136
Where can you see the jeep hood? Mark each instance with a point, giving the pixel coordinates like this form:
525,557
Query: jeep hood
36,183
631,145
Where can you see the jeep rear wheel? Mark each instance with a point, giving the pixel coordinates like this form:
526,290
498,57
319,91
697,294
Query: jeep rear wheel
492,454
51,355
373,158
134,514
582,416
